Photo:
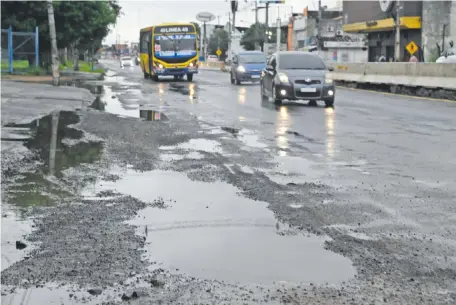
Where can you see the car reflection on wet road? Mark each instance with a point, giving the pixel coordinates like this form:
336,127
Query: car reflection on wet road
206,188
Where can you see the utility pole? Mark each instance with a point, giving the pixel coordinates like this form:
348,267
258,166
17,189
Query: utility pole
234,8
319,18
228,53
256,12
279,30
204,42
54,51
397,46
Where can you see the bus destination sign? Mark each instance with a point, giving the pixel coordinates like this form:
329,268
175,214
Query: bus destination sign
173,29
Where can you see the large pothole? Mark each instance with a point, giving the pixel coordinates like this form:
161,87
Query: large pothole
208,230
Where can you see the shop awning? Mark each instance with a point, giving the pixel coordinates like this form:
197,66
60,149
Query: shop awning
407,23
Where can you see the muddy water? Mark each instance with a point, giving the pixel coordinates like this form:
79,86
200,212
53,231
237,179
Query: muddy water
207,230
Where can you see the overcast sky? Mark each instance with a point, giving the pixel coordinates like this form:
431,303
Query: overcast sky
138,14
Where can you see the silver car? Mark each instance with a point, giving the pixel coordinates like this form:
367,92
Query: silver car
126,61
297,75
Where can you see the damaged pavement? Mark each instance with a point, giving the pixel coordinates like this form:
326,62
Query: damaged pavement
128,191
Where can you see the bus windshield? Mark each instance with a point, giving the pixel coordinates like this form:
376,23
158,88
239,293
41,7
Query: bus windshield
175,44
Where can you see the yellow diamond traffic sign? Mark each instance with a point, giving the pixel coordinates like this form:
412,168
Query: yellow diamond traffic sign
412,47
218,52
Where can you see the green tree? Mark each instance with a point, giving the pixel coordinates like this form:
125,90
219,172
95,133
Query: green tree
218,39
78,23
256,33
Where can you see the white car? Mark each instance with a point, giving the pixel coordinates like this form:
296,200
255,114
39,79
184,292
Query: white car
449,57
126,61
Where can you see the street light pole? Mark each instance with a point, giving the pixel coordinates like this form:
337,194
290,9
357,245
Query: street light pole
397,49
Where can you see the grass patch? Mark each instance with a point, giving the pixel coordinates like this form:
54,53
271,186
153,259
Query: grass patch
22,67
83,67
17,64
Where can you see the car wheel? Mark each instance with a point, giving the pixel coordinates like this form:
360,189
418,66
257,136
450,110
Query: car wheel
231,78
275,99
329,102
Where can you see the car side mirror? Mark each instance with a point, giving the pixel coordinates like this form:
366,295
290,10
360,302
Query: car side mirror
331,69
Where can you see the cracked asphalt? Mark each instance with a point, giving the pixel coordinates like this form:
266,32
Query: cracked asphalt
200,193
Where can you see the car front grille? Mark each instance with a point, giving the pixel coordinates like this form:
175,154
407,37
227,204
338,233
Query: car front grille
300,94
311,82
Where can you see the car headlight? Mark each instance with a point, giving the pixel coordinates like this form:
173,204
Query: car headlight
283,78
328,81
240,69
160,66
190,65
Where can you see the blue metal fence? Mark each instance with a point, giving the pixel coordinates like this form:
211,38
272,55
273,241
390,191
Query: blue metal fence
20,47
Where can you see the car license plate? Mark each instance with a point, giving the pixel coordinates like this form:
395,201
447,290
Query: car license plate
255,76
308,89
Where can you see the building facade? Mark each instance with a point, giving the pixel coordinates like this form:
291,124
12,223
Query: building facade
424,23
326,37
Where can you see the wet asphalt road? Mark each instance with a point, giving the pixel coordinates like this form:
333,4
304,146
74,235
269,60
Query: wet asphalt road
238,201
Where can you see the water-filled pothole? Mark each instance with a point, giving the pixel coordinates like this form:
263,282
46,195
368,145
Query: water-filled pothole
208,230
57,147
126,106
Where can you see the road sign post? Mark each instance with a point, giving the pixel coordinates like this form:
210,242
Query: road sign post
411,47
205,17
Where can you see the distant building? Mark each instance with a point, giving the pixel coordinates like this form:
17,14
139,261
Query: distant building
426,23
325,37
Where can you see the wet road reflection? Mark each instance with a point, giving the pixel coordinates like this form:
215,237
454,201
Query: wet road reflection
59,147
282,126
241,96
152,115
330,116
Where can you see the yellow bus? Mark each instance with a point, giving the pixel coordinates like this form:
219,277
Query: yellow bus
169,49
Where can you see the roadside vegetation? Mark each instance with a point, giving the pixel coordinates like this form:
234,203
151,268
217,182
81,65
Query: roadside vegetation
80,29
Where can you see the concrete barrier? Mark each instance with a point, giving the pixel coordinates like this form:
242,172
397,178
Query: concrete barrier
426,75
211,65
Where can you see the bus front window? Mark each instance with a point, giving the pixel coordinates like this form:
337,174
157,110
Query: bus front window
164,44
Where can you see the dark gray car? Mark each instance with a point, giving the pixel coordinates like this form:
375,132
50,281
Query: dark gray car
296,75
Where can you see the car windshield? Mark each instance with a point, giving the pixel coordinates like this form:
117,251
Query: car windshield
252,59
301,62
126,58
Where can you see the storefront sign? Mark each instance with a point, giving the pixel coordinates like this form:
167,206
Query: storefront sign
343,44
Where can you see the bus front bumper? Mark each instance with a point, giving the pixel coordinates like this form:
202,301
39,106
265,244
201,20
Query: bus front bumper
175,71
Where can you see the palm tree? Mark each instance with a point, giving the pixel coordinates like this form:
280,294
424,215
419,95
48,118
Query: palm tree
54,51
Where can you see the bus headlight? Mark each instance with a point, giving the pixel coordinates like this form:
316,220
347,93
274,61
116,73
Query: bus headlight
160,66
191,65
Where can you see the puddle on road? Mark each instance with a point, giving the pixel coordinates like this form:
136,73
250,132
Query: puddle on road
59,147
209,231
130,107
251,139
13,228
